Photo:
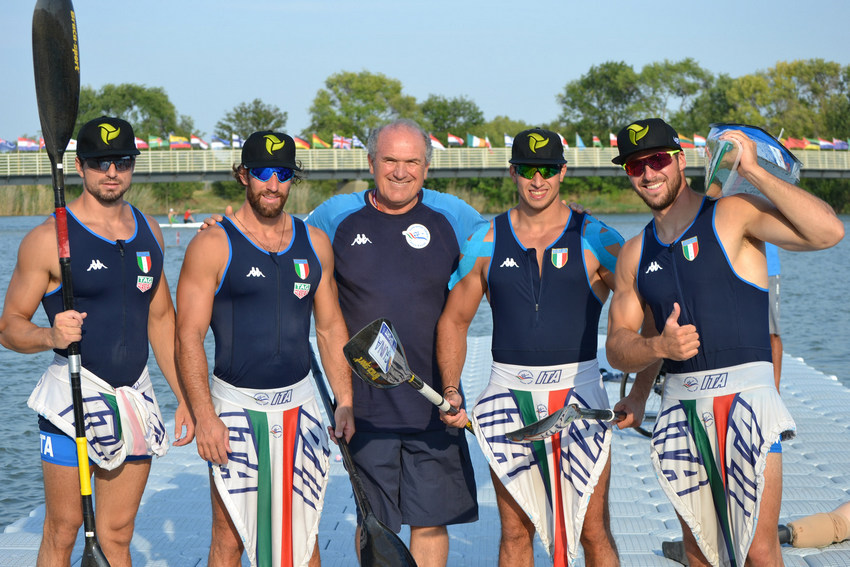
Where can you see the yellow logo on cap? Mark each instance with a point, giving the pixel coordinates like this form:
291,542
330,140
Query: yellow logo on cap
636,133
273,143
108,132
536,141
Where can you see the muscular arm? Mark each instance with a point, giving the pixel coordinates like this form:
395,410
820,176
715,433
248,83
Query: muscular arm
203,266
331,336
452,328
36,272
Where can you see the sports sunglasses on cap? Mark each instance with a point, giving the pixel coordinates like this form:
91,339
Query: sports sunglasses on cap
656,161
265,173
528,171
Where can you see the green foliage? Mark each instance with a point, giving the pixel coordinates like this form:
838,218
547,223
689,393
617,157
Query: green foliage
172,191
249,117
147,109
357,103
604,99
228,190
441,114
670,83
836,192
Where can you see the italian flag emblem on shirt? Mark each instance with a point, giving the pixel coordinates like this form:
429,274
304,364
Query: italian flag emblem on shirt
690,248
144,261
302,268
559,257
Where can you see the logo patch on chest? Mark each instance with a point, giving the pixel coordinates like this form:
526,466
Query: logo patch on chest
302,268
144,261
559,257
144,283
301,290
690,248
417,236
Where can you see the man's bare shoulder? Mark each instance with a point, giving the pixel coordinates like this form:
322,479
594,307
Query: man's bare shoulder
42,237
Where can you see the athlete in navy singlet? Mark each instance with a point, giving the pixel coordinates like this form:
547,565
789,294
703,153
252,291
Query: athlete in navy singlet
395,248
121,305
546,271
700,267
256,278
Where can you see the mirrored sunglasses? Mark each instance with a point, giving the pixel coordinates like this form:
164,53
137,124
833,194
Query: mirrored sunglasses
265,173
102,164
656,161
546,171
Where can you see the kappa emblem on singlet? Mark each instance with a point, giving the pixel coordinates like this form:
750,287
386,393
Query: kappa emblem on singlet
559,257
96,264
509,263
417,236
301,290
144,283
690,248
144,261
302,268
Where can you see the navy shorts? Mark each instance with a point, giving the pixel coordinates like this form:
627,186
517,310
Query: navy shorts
418,479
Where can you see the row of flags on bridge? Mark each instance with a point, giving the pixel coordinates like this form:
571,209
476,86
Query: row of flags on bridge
345,143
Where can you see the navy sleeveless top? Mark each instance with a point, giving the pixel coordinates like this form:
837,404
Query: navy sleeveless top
261,311
542,320
730,314
113,281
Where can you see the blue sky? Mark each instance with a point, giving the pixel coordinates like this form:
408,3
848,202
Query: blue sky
512,58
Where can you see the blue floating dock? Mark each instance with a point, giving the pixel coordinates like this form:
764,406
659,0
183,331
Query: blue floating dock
173,524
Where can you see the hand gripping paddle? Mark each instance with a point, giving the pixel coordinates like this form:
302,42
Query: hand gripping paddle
376,355
379,545
56,63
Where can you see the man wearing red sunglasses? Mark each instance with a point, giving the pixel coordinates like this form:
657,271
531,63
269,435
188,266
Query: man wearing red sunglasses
256,277
546,270
699,266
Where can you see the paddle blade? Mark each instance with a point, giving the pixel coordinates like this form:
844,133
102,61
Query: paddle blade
56,62
376,355
546,427
381,547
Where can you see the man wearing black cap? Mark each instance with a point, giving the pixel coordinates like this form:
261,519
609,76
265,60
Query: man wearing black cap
700,268
255,278
122,303
546,270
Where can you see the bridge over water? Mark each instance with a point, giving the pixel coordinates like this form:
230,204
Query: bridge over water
153,166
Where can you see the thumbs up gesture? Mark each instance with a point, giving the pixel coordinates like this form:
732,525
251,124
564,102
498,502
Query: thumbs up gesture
681,342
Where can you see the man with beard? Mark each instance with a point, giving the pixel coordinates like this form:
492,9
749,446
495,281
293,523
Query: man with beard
255,278
700,267
121,301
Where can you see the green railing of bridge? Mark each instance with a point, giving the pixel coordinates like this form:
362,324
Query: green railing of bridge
24,168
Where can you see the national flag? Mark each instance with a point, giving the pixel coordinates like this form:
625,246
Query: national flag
686,142
579,142
435,143
699,141
356,143
217,143
27,145
795,143
236,141
341,142
7,146
559,257
178,142
141,144
454,140
473,141
41,145
300,143
143,259
811,144
509,142
302,268
72,145
319,143
564,141
199,143
840,144
155,142
597,143
612,140
690,248
487,142
825,144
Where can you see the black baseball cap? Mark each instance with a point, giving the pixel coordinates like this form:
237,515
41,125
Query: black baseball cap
269,149
645,135
537,147
106,136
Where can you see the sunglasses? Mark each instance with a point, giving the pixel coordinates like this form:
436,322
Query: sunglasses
546,171
265,173
656,161
121,164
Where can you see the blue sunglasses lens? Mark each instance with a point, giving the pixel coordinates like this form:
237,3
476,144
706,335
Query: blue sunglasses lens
265,173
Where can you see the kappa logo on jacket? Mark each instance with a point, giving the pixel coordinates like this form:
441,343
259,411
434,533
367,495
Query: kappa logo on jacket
361,239
509,263
96,264
653,267
255,273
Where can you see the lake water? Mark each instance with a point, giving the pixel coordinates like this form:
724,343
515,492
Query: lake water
814,326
